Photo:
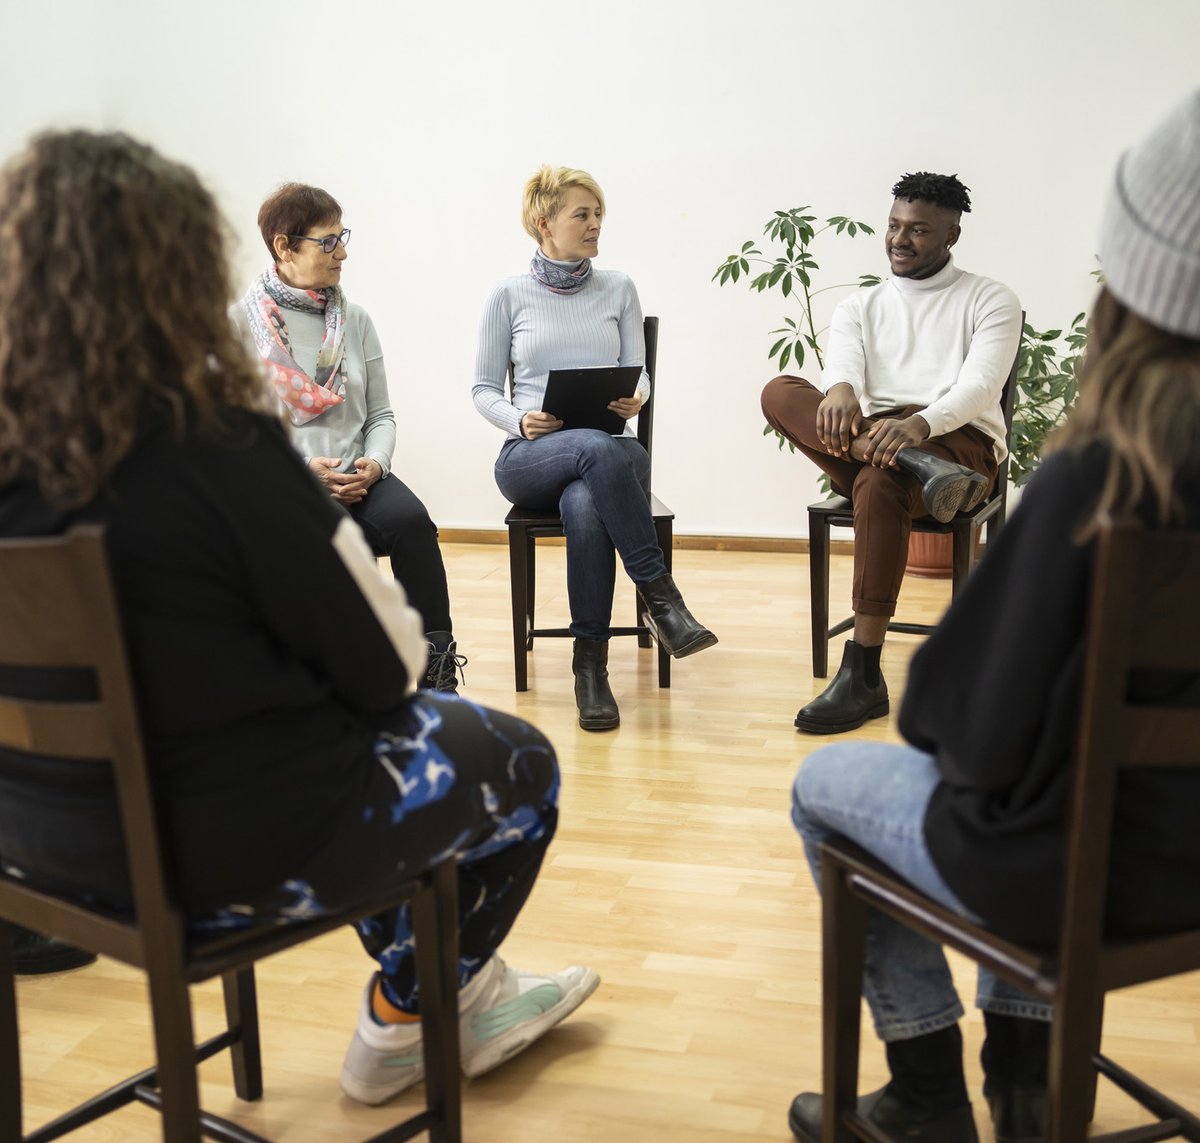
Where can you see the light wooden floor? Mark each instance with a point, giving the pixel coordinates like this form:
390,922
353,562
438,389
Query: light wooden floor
675,873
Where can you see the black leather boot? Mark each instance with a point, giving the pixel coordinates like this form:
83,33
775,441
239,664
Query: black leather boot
946,488
594,697
36,953
669,620
848,701
444,665
925,1101
1015,1059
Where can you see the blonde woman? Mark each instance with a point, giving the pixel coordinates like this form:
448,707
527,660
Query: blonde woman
563,313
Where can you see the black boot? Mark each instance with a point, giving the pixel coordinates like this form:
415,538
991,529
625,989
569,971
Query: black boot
35,953
946,488
924,1102
594,697
445,664
1015,1059
849,700
669,620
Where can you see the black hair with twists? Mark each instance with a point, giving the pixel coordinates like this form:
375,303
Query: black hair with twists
941,190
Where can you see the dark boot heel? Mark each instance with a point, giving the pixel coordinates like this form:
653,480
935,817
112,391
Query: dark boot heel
946,488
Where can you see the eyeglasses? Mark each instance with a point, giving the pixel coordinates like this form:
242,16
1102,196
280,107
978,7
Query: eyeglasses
329,243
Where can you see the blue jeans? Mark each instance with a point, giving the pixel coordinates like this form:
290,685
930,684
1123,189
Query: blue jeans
600,486
876,795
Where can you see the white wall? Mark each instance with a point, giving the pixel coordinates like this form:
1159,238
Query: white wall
698,120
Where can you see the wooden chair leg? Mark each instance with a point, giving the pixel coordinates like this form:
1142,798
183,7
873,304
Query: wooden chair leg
843,944
10,1044
518,574
530,588
1072,1074
241,1013
435,928
963,557
174,1043
818,579
664,530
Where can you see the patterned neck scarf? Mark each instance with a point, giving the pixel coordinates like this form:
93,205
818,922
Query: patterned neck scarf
304,397
555,277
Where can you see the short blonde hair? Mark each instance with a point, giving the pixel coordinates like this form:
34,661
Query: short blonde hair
545,191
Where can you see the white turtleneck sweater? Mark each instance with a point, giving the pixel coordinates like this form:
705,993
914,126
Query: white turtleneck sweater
945,343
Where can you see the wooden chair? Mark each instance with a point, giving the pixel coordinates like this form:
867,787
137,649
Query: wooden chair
60,612
1143,617
964,528
527,525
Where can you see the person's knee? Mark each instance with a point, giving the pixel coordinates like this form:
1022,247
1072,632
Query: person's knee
578,509
779,394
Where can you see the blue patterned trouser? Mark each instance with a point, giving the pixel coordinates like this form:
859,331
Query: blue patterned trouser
448,777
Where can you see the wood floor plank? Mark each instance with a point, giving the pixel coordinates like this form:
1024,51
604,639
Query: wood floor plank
676,873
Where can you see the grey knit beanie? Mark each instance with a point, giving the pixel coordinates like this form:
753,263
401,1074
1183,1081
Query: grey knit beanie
1150,234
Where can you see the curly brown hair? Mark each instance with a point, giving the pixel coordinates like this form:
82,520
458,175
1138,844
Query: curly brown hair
1139,394
114,286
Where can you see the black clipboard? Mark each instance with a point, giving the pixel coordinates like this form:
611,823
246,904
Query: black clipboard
579,397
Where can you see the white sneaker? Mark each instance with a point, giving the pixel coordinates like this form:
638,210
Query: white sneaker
383,1059
511,1009
501,1012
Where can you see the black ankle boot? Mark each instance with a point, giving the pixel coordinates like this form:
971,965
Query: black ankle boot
444,665
1015,1059
594,697
924,1102
669,620
946,488
35,953
848,701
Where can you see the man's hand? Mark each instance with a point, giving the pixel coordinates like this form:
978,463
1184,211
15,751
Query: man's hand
839,419
887,437
626,407
534,425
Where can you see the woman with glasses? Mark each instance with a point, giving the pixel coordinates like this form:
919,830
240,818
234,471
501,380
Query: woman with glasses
297,766
323,357
564,314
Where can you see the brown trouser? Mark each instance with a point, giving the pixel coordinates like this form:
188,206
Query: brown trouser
885,500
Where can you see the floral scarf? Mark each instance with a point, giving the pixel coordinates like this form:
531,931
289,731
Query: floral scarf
555,277
304,397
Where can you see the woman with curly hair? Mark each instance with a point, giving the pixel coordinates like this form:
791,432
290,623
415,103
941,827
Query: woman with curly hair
323,356
973,810
564,314
275,668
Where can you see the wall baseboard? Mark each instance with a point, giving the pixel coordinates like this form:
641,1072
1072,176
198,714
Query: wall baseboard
694,543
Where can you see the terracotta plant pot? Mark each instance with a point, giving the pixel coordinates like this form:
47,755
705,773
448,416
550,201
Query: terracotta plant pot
930,555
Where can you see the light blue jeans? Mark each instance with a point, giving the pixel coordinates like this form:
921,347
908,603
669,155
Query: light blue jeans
600,486
876,794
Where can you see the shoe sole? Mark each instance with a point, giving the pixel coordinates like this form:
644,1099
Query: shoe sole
503,1047
599,723
700,643
810,727
945,496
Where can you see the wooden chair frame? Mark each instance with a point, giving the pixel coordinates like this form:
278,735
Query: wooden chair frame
60,612
964,528
527,525
1142,616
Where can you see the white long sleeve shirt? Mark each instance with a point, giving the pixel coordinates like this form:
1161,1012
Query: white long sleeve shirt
945,343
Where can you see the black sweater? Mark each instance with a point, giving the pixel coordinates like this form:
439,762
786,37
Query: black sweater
994,696
257,659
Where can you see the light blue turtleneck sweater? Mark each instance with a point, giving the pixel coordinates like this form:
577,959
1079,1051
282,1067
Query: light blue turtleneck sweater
539,330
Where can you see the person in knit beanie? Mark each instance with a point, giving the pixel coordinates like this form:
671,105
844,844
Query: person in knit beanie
972,809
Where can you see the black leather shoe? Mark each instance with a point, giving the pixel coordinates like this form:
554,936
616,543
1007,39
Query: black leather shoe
669,620
1018,1114
35,954
594,697
898,1120
946,488
848,701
